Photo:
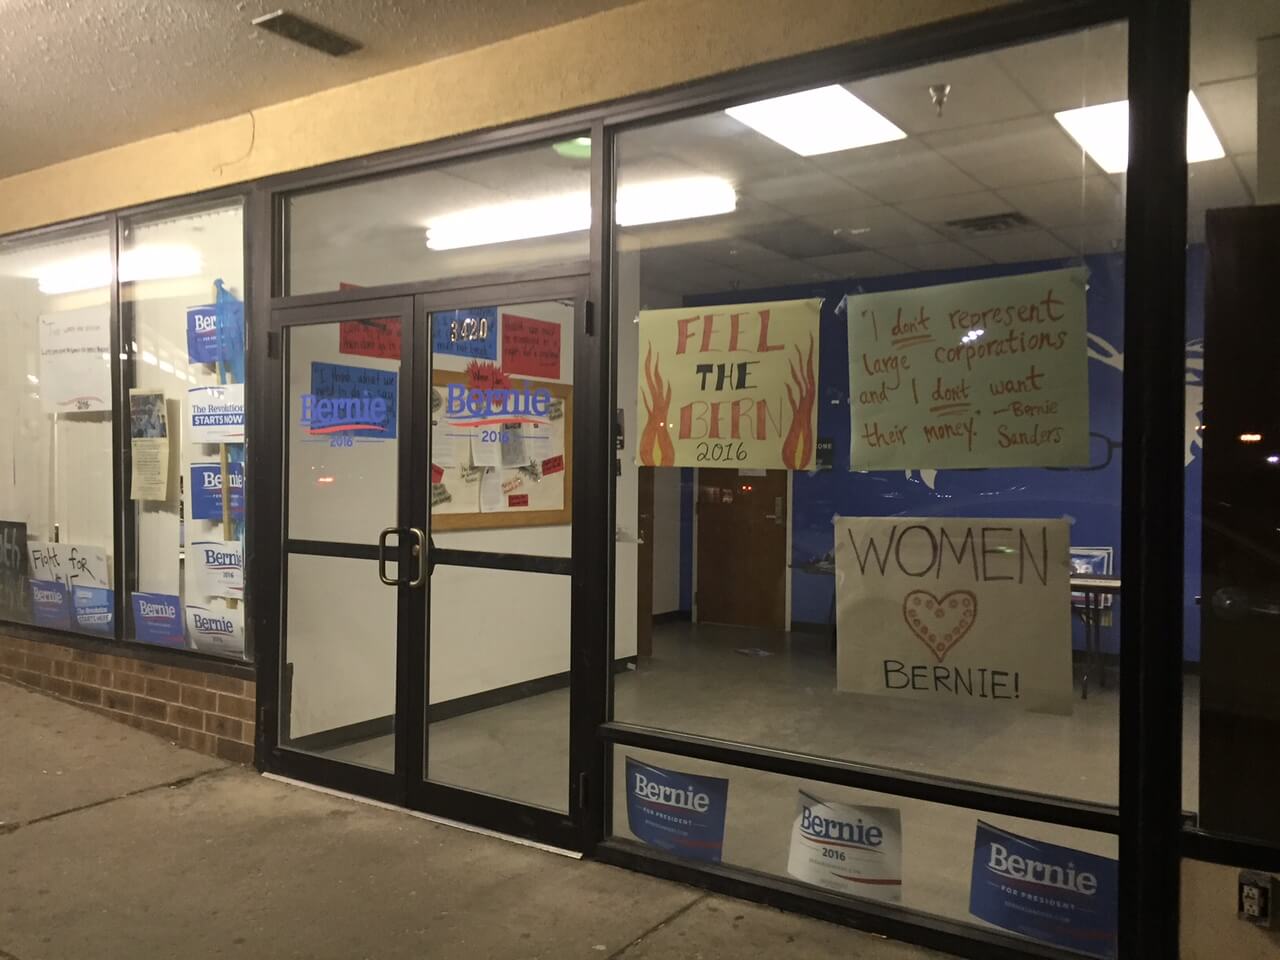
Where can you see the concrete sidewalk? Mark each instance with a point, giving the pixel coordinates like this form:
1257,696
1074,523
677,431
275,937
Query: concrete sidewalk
116,844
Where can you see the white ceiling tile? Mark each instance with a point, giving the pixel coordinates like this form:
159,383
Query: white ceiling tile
1225,34
1012,152
1058,202
1085,67
1215,183
876,227
980,92
898,171
1020,245
867,263
938,210
936,256
1232,108
805,192
1097,236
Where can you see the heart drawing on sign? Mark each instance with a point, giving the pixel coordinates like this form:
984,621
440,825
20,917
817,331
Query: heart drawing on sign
940,622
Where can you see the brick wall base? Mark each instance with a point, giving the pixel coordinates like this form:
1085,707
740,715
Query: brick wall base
208,712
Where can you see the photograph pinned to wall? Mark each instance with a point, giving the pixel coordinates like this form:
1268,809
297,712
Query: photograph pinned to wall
215,568
471,333
530,347
732,386
75,360
215,414
1057,895
217,630
984,373
14,598
511,441
681,813
149,445
855,850
157,619
955,610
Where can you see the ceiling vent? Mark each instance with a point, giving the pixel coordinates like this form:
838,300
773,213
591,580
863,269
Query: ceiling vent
991,223
306,32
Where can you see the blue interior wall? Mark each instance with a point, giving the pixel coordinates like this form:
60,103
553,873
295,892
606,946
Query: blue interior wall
1090,499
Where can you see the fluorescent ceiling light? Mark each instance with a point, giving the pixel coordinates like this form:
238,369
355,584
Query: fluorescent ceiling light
1103,131
657,201
817,121
92,270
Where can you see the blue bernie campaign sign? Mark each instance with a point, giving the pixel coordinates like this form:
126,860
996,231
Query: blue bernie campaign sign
1053,894
202,334
157,619
351,402
206,490
94,609
466,333
677,812
50,604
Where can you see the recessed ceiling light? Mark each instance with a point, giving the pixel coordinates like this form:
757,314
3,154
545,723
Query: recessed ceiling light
818,121
307,32
657,201
1103,131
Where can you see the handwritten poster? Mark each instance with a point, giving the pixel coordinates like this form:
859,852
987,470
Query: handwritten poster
466,333
379,337
530,348
13,570
70,564
216,414
148,445
732,386
952,610
75,365
1058,895
986,373
356,402
851,849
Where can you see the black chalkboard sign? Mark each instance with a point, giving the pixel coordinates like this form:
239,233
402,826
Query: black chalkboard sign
13,571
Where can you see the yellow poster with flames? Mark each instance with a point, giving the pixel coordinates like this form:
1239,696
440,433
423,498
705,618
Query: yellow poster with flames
731,386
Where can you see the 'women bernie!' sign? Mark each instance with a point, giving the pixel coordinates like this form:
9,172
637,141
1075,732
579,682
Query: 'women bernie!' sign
953,610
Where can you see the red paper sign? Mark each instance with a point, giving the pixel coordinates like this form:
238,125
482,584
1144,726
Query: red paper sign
437,473
530,347
371,338
553,464
518,500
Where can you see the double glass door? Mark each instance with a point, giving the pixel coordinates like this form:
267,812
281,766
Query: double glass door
425,652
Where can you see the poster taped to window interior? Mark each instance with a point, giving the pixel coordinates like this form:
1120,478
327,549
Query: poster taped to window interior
75,360
955,610
149,445
731,386
851,849
500,450
985,373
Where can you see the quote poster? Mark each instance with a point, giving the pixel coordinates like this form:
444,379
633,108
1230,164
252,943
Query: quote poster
75,365
986,373
732,386
954,610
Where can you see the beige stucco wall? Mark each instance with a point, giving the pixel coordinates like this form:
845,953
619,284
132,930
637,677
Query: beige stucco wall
644,46
1210,928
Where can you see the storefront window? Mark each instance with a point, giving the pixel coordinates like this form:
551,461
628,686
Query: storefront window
57,547
184,317
869,504
509,211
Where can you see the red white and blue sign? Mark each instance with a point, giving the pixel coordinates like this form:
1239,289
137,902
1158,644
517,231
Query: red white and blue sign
50,604
206,490
678,812
157,619
1053,894
466,333
202,328
347,402
94,609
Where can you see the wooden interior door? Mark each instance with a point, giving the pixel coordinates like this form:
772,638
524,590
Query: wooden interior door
742,548
1240,552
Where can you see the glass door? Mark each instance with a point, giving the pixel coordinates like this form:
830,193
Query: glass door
494,488
350,562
